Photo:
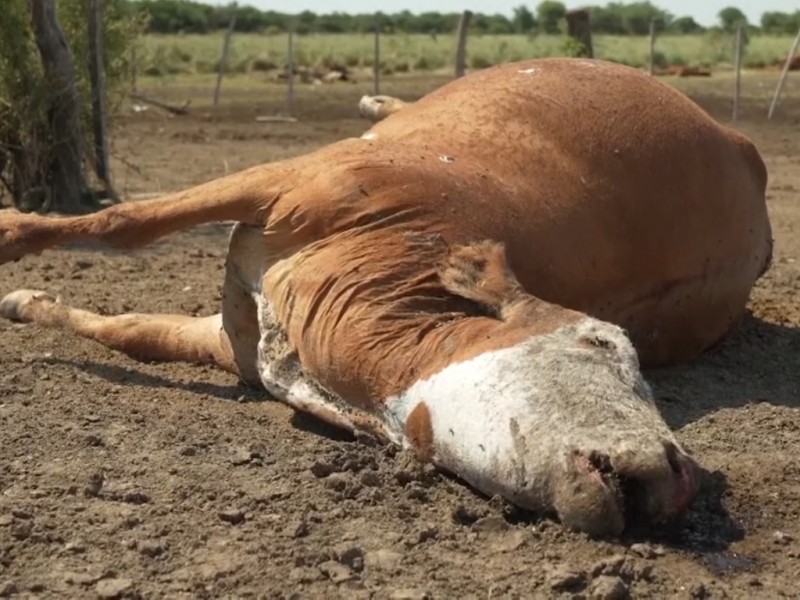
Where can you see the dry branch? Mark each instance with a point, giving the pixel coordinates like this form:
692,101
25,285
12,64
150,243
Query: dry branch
175,110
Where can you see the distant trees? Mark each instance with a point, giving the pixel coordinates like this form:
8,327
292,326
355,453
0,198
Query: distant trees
545,16
551,15
778,22
730,18
685,25
523,20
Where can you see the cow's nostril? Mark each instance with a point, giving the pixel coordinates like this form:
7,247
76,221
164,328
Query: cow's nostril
673,458
683,468
601,463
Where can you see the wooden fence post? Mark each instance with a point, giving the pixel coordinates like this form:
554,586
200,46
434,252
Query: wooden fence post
737,90
134,68
461,42
377,65
98,86
784,73
290,72
652,58
579,27
223,61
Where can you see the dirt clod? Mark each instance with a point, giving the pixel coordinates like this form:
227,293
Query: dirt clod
114,588
151,548
335,571
353,557
241,456
321,469
408,594
383,559
94,484
21,529
492,524
136,497
563,579
232,516
609,587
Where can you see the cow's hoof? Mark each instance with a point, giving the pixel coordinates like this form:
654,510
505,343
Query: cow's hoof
13,306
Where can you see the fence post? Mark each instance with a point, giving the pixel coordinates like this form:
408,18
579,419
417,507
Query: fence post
223,61
579,27
134,68
290,72
651,60
737,90
377,66
98,87
461,42
785,72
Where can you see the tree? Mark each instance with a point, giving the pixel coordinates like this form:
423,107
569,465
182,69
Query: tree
730,18
636,17
523,19
607,19
66,170
780,22
45,105
685,25
550,14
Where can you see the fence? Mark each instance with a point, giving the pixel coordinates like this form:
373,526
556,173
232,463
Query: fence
578,28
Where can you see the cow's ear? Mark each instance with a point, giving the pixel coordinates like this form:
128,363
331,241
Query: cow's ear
480,272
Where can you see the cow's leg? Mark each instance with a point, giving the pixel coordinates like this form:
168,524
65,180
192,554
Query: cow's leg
146,337
377,108
246,197
228,340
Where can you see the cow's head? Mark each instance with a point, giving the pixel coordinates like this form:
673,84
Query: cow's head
562,420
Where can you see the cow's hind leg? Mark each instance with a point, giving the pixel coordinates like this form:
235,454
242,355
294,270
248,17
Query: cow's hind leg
146,337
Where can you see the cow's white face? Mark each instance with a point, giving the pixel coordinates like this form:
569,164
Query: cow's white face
563,421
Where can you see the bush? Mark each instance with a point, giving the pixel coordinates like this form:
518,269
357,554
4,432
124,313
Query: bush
26,96
574,48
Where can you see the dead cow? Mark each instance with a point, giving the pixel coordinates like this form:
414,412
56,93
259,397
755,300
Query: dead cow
477,277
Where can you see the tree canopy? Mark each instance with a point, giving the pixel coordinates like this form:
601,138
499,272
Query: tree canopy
547,16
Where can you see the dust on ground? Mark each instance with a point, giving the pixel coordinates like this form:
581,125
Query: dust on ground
120,479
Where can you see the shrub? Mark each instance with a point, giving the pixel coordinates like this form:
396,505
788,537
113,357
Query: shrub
27,144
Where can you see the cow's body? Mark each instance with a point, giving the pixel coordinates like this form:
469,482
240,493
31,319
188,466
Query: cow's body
413,283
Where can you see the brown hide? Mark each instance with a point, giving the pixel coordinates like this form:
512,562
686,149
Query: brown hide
613,193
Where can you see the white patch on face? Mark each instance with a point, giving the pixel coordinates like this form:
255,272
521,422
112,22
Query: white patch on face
505,419
470,427
529,71
369,135
446,158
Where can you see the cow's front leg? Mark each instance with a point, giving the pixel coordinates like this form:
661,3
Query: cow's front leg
146,337
228,339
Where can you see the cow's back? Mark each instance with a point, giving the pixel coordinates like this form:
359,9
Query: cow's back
614,193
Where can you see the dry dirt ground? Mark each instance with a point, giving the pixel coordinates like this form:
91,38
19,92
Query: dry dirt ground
121,479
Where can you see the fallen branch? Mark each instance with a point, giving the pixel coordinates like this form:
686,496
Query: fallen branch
276,119
175,110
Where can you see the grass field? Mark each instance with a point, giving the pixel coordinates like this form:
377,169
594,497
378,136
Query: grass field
174,54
